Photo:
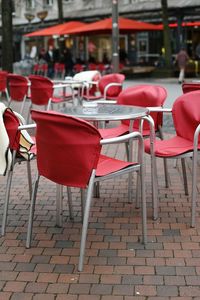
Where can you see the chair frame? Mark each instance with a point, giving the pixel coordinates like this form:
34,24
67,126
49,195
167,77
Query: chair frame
15,160
190,154
138,167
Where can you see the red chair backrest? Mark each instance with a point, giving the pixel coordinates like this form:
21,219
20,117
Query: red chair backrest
68,148
61,67
36,68
145,96
101,67
3,80
111,78
190,87
92,66
56,67
41,89
186,114
78,68
11,123
18,86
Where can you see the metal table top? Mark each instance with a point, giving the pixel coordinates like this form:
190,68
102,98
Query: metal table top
105,112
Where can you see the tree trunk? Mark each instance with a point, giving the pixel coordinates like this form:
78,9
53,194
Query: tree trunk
166,33
7,35
60,11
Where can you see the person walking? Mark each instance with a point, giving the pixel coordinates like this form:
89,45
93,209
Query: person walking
182,59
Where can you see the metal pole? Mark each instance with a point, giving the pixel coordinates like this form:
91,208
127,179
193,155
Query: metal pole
115,37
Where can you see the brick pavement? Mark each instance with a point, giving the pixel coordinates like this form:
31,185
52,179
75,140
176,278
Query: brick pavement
117,265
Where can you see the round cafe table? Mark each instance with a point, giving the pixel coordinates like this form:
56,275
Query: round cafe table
105,112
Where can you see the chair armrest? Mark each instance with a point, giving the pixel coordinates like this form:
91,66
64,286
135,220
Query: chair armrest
196,137
109,86
27,126
159,109
122,139
104,101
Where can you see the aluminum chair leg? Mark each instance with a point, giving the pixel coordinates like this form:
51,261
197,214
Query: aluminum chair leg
138,184
7,95
144,208
164,161
32,210
96,190
22,106
7,195
29,177
85,221
59,205
184,176
69,197
194,187
82,204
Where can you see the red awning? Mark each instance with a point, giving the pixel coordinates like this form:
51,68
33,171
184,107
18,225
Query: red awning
105,26
184,24
59,29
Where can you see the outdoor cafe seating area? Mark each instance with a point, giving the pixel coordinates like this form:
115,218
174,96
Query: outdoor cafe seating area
110,202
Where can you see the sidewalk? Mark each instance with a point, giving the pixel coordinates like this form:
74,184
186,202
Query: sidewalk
117,266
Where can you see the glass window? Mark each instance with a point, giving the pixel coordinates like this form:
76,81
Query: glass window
48,2
30,4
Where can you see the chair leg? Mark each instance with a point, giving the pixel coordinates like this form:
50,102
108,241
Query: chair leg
194,187
7,196
184,176
85,221
144,208
164,161
96,190
82,203
32,210
59,204
69,197
7,94
29,177
138,184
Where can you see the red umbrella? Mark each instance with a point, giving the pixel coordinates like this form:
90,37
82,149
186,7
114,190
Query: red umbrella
59,29
105,26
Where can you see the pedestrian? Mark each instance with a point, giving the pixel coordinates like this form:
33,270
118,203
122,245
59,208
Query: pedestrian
182,59
68,61
50,59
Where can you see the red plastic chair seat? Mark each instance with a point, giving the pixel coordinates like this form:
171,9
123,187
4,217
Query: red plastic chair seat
171,147
107,165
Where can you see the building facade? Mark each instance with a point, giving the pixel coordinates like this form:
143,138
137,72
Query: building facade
31,15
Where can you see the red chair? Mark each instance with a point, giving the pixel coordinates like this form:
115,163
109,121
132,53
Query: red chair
145,96
90,80
190,87
92,67
185,143
43,69
59,70
3,84
42,90
102,68
19,148
36,69
140,95
110,86
18,89
75,146
78,68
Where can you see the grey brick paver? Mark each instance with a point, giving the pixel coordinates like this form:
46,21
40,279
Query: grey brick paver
117,266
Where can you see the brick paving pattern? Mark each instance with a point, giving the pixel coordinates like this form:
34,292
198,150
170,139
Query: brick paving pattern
117,266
